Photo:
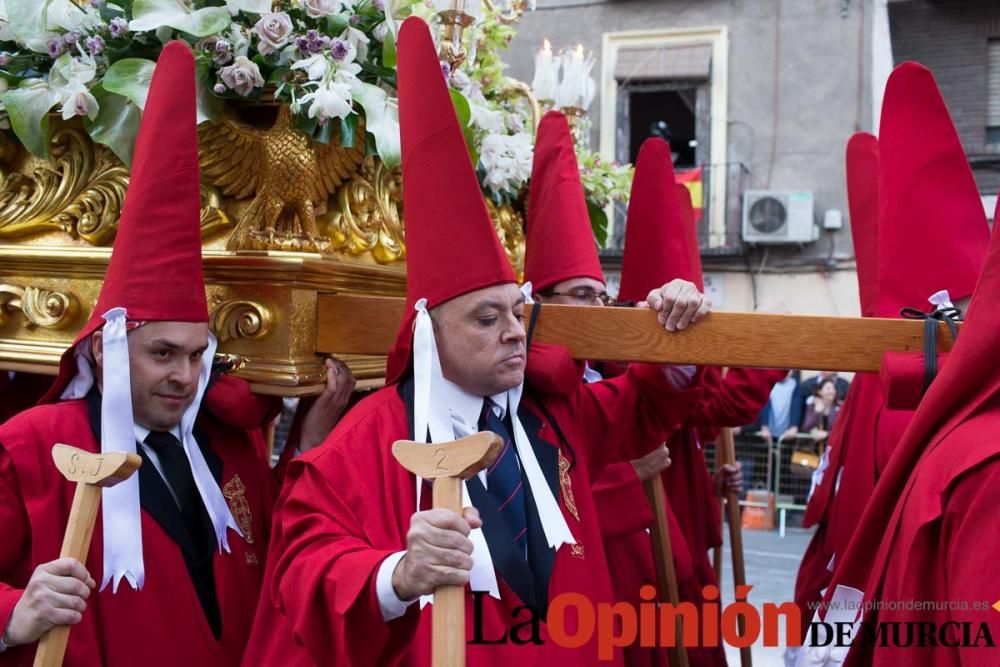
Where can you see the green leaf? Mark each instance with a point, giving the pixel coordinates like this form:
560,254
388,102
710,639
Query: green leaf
306,124
155,14
324,132
389,51
464,113
335,24
250,6
348,129
130,78
116,125
28,109
209,105
598,223
27,23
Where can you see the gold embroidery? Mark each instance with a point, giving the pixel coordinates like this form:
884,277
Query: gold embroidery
576,550
234,492
566,486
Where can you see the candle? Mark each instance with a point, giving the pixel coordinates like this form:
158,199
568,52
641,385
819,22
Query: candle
546,73
577,87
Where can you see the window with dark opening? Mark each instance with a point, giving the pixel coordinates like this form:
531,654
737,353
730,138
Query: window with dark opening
656,110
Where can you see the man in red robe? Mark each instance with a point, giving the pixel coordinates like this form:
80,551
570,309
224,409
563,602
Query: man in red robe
562,265
924,174
931,532
189,530
661,244
356,544
856,416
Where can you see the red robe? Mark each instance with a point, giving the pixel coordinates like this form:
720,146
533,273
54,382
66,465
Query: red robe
863,439
692,507
944,546
163,624
346,506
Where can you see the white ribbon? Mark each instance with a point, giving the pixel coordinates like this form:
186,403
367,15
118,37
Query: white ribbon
845,607
941,300
211,494
119,503
434,417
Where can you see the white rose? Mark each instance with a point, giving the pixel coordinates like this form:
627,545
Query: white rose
273,31
320,8
242,76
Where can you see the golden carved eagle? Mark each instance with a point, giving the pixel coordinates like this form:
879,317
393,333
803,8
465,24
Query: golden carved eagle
287,173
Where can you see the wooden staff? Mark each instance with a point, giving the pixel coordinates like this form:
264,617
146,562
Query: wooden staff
91,472
663,557
728,455
717,551
448,464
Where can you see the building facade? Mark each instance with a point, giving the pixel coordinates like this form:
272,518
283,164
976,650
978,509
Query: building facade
761,96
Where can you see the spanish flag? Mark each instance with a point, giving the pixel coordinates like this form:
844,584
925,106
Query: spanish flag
692,180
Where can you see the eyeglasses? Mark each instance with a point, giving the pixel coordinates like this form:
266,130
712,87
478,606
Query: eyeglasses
584,295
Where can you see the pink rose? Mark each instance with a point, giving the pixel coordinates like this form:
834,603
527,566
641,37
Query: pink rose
242,76
273,31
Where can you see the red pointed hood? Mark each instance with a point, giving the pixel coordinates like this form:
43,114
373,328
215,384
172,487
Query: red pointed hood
862,200
967,381
451,246
660,239
688,215
155,269
560,242
932,228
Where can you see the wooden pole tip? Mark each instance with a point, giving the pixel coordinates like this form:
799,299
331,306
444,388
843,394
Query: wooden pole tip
96,469
461,458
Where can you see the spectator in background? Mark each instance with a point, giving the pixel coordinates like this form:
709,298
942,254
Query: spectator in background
781,416
809,388
822,411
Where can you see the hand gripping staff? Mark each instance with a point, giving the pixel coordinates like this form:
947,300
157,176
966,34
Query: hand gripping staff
448,465
91,472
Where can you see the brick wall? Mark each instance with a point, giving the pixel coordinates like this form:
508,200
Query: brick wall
949,37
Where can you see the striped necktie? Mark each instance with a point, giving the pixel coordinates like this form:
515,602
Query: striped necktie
504,483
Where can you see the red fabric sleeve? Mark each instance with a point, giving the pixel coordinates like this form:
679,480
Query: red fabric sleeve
16,537
737,399
622,507
627,416
324,578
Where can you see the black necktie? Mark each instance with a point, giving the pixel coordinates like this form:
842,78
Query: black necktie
177,470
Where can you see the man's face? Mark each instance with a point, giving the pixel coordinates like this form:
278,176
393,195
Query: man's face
574,292
481,339
164,364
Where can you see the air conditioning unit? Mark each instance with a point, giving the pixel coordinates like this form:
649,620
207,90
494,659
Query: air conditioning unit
778,217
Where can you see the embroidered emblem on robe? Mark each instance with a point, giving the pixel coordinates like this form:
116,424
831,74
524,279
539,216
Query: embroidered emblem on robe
566,486
234,491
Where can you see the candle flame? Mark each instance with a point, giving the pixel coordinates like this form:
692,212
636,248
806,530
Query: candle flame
579,50
546,46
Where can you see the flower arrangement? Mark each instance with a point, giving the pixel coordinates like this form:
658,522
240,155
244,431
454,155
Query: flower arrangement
330,61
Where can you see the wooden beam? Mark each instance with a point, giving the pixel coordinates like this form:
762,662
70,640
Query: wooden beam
367,325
